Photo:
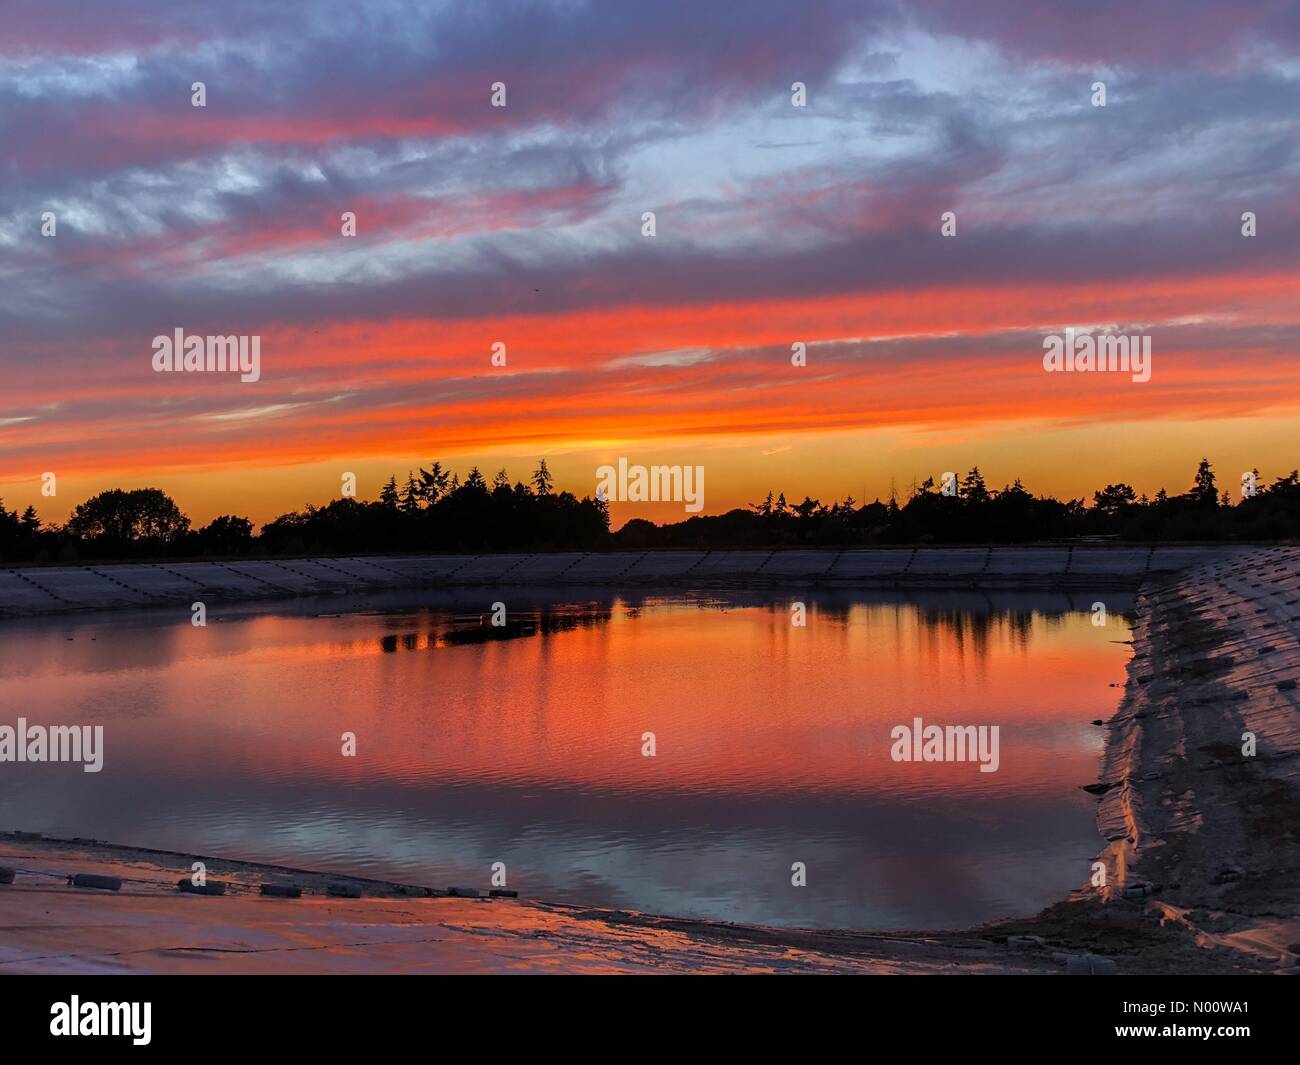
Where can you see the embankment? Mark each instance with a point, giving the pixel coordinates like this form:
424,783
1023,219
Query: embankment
1201,812
36,591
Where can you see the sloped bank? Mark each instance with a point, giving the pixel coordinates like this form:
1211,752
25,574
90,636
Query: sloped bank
1200,781
38,591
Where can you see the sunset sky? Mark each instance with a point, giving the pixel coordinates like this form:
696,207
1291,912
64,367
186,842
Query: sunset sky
522,224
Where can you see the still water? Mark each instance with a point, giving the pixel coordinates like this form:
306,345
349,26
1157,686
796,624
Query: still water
772,746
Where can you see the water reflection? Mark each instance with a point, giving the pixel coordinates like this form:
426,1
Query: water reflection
772,745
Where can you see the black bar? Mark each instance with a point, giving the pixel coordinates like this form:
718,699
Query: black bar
1046,1017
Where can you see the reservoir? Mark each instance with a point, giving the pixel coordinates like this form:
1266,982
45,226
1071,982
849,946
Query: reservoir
771,744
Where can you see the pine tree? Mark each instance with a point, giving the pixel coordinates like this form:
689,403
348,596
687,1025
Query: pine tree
433,482
973,489
542,480
602,505
1204,490
388,494
411,494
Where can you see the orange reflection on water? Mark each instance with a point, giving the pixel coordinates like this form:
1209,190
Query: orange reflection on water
772,742
738,698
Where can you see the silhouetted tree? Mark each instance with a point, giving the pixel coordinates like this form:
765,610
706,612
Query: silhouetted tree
542,480
973,489
1112,499
144,514
1204,490
412,495
433,482
226,535
808,507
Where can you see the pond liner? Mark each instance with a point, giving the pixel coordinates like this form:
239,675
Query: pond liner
1026,942
344,891
281,891
94,880
212,887
1087,965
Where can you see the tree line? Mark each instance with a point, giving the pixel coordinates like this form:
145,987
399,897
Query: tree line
968,511
435,511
